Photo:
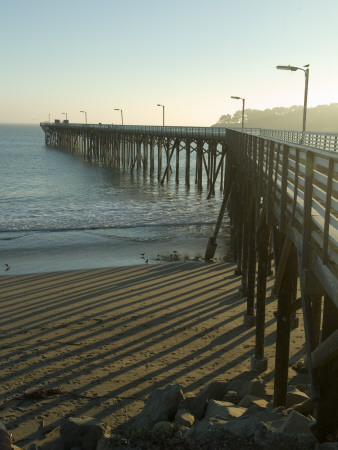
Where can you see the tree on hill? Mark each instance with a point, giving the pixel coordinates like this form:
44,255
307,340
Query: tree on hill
319,118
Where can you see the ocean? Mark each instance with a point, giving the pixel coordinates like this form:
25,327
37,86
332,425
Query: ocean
59,212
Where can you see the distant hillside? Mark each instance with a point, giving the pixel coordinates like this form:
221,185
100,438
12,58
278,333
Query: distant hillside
319,118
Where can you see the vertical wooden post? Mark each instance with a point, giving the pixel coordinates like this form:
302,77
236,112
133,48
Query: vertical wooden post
239,223
245,245
285,295
187,163
151,156
327,413
199,164
249,318
145,155
177,178
259,362
159,159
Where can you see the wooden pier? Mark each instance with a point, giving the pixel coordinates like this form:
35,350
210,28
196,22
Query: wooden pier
155,151
281,193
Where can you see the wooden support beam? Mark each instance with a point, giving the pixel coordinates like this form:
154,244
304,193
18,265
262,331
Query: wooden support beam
326,351
286,293
284,256
327,412
211,248
250,312
212,184
259,362
168,166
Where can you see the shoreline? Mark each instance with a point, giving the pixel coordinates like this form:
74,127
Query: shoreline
82,250
107,337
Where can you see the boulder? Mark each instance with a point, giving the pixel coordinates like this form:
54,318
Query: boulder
327,446
304,408
252,400
296,423
185,418
232,397
254,387
162,405
270,439
295,396
272,417
223,410
242,427
206,428
196,404
82,432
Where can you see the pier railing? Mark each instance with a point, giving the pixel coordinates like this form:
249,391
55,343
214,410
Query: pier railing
316,139
175,131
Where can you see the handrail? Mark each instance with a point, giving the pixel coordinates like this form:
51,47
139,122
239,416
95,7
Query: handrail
176,131
315,139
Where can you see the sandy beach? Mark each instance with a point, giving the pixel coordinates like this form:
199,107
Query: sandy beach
103,339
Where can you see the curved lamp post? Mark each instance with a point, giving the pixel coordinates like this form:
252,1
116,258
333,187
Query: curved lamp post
243,106
117,109
66,115
162,111
306,71
85,113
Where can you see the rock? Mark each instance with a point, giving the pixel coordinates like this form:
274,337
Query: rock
162,405
215,390
114,443
5,443
269,439
327,446
232,397
223,410
82,432
305,408
183,417
295,396
296,423
272,417
254,387
196,404
251,400
162,432
243,427
204,429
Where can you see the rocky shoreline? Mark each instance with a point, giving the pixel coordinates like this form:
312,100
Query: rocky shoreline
216,417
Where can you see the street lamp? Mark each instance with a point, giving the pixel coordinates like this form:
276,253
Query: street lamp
85,113
117,109
306,71
66,115
162,111
243,100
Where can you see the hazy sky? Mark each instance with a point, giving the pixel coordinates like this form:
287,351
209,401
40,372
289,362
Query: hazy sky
189,55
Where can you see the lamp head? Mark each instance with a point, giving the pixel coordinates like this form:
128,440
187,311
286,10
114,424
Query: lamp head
292,68
237,98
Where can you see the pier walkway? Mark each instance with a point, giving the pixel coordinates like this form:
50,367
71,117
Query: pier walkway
280,189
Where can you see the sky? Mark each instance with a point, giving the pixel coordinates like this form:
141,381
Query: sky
191,56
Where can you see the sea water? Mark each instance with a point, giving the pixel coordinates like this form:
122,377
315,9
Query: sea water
60,212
